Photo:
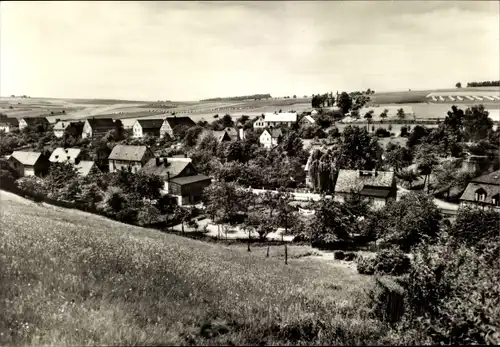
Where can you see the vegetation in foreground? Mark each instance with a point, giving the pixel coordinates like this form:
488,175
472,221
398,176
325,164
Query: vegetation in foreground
70,278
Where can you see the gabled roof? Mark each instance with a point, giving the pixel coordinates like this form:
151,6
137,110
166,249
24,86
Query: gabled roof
174,166
150,124
84,167
61,125
176,121
35,120
357,180
13,122
190,179
220,135
26,158
101,123
61,155
128,153
309,119
280,117
491,178
490,189
275,133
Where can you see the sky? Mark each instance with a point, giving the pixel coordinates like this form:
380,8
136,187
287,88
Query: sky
194,50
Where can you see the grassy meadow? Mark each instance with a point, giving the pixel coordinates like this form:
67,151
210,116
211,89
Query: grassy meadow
70,278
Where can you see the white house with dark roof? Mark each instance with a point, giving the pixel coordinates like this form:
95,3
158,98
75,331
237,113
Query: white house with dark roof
97,127
29,163
146,127
306,121
377,186
8,124
270,137
483,192
71,155
131,158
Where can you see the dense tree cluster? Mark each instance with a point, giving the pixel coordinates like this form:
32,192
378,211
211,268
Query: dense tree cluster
484,84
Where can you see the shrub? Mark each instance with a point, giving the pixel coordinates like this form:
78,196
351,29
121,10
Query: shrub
128,215
365,266
381,132
386,300
338,255
391,261
350,256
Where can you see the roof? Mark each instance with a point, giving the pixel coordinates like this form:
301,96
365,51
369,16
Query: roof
26,158
490,189
35,120
274,132
101,123
280,117
352,180
220,134
309,119
491,178
9,121
61,125
190,179
64,154
176,121
174,168
84,167
150,123
129,153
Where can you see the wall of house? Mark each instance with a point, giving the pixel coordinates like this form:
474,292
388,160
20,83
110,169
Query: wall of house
137,130
377,203
165,128
116,165
87,130
22,124
59,133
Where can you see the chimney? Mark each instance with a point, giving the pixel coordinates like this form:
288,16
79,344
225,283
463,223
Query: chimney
157,161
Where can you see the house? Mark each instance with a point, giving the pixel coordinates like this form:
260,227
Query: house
97,127
147,127
270,137
29,163
483,192
74,129
170,124
71,155
32,121
8,124
307,168
86,167
129,157
180,176
377,186
222,136
275,119
307,121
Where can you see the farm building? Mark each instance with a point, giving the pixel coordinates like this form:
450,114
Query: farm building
275,119
97,127
147,127
379,187
29,163
8,124
269,138
71,155
181,178
32,121
171,124
483,192
74,129
131,158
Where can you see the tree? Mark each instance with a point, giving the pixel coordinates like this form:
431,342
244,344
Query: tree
191,137
291,144
285,214
59,175
409,221
397,156
383,115
227,121
476,227
401,114
476,123
344,102
369,116
426,161
358,150
458,85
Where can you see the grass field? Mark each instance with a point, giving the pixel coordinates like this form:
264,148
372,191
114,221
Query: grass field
419,96
70,278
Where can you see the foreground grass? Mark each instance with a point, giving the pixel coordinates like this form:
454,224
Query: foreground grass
70,278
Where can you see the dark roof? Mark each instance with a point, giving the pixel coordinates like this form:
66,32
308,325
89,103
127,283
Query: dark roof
491,178
375,192
35,120
221,135
176,121
276,133
9,121
175,166
150,123
101,123
490,189
356,180
190,179
130,153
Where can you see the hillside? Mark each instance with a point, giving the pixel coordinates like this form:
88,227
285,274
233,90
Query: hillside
70,278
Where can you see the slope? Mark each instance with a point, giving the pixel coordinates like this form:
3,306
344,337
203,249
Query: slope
71,278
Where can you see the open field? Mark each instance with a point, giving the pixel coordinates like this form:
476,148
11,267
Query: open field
71,278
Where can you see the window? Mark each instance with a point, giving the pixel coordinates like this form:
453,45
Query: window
496,199
480,195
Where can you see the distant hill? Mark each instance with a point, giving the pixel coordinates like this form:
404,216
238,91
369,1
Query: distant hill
240,98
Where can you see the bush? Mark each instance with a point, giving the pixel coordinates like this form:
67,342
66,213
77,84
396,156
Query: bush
338,255
365,266
386,300
391,261
382,132
349,256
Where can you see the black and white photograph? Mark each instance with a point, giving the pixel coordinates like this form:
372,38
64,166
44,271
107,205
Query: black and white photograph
249,173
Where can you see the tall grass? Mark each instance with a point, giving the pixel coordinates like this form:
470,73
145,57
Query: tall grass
70,278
